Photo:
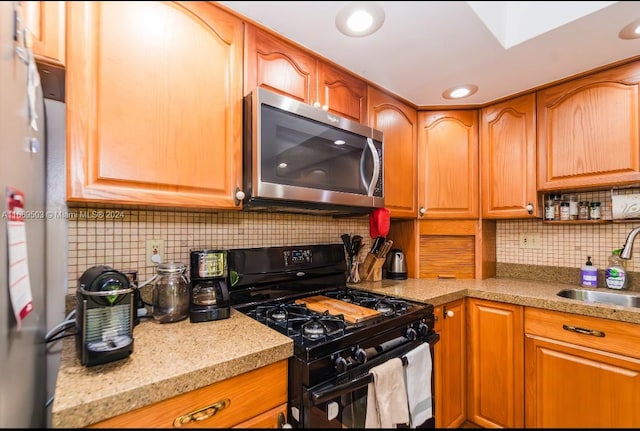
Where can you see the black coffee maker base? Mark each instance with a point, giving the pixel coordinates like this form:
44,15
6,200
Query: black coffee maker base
207,314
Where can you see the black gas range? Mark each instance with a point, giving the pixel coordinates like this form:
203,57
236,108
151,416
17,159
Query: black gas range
339,332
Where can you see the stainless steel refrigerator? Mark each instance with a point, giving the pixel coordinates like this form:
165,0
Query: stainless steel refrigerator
28,365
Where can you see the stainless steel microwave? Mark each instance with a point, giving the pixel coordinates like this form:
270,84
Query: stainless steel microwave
299,158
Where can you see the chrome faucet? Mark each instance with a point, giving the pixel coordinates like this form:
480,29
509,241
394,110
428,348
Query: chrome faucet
626,250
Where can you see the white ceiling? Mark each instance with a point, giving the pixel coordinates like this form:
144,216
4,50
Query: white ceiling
423,48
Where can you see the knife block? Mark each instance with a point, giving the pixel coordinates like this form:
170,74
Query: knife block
371,268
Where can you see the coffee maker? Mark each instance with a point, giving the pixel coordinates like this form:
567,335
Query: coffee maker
105,310
209,294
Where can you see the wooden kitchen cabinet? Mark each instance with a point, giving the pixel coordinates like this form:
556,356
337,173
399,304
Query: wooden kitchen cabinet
253,399
45,21
282,66
496,364
450,365
508,155
581,371
589,132
448,164
398,122
154,120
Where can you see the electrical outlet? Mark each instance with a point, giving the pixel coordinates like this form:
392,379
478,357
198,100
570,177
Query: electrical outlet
155,251
530,240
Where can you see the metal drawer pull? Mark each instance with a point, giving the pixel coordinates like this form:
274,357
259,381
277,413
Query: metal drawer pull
201,414
583,331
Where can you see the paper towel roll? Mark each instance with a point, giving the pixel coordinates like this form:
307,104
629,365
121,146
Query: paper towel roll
625,206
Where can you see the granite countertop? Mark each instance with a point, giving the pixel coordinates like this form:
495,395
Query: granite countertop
170,359
167,360
539,294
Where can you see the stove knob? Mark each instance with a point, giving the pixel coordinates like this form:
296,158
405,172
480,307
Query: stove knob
341,364
360,355
410,333
423,329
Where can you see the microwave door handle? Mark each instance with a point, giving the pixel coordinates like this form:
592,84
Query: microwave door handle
376,168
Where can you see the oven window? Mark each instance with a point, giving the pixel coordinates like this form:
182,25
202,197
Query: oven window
345,411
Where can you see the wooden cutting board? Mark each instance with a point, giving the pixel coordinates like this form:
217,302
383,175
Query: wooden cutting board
352,313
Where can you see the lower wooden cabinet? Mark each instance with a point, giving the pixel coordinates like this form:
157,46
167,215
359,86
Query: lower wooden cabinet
274,418
450,365
581,372
496,364
253,399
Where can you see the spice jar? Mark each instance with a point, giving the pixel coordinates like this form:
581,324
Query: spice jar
583,210
564,211
594,212
573,207
549,210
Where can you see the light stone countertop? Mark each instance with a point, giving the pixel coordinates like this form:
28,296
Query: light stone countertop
540,294
167,360
171,359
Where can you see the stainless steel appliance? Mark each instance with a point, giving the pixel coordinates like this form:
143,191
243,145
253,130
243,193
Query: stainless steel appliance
302,158
339,333
395,265
29,365
105,309
209,296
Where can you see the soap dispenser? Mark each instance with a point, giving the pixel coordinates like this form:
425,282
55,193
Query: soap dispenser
589,274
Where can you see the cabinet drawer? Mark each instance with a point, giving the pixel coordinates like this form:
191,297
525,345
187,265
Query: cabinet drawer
245,396
602,334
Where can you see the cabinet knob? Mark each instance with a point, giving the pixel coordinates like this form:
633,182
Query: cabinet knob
450,313
316,104
529,208
422,210
239,196
325,108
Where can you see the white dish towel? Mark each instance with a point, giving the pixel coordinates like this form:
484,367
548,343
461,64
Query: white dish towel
418,374
387,396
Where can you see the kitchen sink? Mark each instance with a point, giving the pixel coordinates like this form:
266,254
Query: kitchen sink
615,298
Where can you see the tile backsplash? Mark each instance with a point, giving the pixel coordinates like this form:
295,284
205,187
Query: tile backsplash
117,238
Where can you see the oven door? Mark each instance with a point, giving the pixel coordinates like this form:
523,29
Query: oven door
342,403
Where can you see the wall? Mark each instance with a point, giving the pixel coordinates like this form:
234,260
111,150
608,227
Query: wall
118,237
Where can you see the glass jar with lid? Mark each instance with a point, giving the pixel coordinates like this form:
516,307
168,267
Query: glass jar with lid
594,211
170,293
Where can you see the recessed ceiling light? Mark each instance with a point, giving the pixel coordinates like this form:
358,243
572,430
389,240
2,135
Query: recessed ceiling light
359,19
631,30
460,91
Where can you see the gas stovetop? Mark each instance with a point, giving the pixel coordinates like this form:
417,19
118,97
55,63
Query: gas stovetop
301,292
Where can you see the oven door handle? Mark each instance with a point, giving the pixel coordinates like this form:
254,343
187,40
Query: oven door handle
325,394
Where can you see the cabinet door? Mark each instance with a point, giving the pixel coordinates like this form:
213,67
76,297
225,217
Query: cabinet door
496,364
588,131
343,94
154,120
448,164
569,386
397,121
224,404
46,23
276,65
508,152
450,366
274,418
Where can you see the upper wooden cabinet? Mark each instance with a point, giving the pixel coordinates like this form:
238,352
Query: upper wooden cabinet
448,164
508,154
45,20
274,63
154,120
398,122
588,131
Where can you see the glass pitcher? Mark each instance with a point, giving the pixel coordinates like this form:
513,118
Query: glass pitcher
170,293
